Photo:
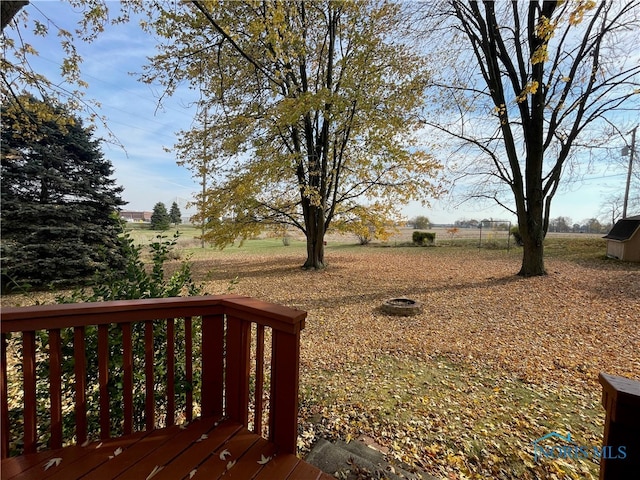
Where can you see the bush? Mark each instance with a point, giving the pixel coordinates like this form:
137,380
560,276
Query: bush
135,281
424,238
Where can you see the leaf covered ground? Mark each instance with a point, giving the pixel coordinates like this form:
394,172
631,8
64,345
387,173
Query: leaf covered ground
462,390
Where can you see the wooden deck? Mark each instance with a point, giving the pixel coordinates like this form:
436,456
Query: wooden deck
206,449
238,360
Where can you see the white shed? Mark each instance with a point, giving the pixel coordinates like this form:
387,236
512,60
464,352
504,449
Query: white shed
623,241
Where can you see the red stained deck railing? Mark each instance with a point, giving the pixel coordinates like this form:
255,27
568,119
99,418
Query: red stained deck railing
229,359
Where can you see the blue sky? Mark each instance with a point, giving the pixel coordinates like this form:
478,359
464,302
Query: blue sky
149,174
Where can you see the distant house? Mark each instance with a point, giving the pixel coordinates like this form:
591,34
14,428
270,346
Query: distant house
623,241
135,216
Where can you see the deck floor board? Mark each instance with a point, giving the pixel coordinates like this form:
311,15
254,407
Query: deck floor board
191,458
71,460
206,449
89,458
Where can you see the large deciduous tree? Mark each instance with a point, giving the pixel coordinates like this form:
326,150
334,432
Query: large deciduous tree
309,108
59,202
535,82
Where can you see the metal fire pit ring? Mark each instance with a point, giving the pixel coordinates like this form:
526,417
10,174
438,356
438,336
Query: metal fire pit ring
401,306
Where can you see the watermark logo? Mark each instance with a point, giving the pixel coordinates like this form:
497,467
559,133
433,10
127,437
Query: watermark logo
554,445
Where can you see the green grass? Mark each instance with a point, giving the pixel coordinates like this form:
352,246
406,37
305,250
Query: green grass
577,248
585,249
189,243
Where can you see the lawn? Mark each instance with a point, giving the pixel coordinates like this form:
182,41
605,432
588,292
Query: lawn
463,389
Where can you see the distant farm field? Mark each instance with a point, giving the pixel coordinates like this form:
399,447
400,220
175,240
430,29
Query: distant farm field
463,237
463,389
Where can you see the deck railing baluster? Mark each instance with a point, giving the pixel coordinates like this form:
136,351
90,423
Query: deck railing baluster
103,380
29,382
127,379
188,345
80,372
213,350
171,390
4,401
148,376
55,387
259,393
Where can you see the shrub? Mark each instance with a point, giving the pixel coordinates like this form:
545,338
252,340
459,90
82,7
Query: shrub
424,238
135,281
452,231
366,234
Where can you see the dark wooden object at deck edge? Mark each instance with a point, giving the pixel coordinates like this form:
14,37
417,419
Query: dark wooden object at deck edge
621,401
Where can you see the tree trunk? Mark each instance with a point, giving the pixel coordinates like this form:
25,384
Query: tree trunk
315,228
532,259
532,232
315,252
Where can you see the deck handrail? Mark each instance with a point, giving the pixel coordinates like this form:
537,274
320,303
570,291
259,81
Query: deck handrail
226,361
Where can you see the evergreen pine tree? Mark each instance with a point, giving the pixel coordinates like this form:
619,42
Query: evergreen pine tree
59,202
160,219
175,214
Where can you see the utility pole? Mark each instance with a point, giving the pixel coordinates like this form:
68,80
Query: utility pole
631,154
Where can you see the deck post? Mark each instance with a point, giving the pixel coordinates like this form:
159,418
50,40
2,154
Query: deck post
212,365
237,369
285,378
621,441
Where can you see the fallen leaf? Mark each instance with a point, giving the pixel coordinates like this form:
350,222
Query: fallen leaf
53,462
116,452
155,470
